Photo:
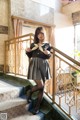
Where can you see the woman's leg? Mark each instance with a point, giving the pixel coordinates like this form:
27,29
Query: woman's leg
40,96
39,87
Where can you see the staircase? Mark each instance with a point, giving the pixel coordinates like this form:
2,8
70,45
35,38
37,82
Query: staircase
12,104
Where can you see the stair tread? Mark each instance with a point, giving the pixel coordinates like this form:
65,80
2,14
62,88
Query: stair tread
12,103
8,89
5,87
29,116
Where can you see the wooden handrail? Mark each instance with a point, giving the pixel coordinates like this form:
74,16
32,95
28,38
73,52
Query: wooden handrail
20,37
66,56
67,62
55,49
8,42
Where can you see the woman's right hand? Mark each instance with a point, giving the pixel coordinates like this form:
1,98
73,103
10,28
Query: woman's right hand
28,50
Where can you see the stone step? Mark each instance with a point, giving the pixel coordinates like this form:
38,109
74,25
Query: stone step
8,91
12,103
29,116
17,109
13,107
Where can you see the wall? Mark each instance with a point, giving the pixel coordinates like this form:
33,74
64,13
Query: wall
61,20
3,29
32,10
17,7
56,4
64,33
71,8
68,10
47,11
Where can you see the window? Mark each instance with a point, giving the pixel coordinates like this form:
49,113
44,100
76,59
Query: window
77,37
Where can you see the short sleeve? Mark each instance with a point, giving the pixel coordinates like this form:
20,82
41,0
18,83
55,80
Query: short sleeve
49,46
32,45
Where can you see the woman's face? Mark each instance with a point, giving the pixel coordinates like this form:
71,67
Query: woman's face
41,37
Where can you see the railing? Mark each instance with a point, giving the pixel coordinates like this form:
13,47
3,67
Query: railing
16,61
63,88
66,80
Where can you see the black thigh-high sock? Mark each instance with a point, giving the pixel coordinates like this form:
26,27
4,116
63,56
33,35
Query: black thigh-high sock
40,96
35,88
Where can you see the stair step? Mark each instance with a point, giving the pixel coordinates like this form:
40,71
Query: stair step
14,107
18,109
8,91
12,103
29,116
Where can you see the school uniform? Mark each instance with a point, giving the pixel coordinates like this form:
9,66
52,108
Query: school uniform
39,66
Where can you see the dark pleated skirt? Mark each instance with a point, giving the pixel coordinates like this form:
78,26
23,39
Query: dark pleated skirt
39,69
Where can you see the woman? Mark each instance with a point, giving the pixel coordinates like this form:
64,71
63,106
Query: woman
39,70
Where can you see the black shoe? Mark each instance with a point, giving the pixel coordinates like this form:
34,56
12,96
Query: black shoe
34,112
29,100
29,96
27,87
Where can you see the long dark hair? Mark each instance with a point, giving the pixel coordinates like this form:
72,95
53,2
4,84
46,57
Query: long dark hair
37,31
